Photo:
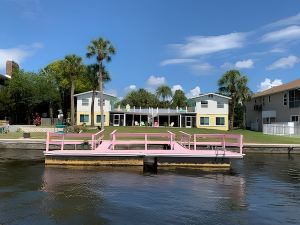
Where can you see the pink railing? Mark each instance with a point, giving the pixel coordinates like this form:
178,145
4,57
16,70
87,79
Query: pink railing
63,139
185,139
219,140
140,138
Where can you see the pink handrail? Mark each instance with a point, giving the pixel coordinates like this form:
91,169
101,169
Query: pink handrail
223,143
114,135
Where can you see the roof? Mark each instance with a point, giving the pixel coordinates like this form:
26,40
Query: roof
5,76
211,93
284,87
87,92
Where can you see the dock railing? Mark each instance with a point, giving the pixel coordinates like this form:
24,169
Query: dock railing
185,139
217,141
141,138
62,139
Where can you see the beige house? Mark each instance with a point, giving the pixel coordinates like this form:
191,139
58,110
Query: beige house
278,104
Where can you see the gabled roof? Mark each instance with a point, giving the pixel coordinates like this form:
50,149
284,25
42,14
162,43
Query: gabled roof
5,76
211,93
284,87
87,92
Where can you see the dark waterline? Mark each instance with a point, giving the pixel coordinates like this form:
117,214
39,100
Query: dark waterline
261,189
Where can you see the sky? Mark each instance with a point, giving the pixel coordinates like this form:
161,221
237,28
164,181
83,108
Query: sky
185,44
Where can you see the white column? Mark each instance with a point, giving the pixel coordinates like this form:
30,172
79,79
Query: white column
180,120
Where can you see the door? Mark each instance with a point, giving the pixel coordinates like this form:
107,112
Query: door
188,121
116,121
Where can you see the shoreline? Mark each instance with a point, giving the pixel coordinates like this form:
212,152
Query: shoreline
39,144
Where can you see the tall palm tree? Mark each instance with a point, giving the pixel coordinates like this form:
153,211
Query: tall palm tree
73,67
92,78
234,85
164,91
103,49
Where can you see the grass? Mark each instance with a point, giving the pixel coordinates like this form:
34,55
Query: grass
249,136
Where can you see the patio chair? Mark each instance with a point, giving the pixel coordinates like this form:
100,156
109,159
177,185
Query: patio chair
172,124
136,123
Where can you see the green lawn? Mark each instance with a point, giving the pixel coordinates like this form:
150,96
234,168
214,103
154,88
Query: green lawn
249,136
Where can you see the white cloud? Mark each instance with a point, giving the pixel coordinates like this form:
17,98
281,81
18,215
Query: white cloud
194,92
285,34
176,87
176,61
18,54
284,63
292,20
227,65
202,68
244,64
267,84
154,81
130,88
202,45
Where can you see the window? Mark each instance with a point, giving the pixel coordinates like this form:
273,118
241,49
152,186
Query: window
285,99
220,121
295,118
204,104
84,118
263,101
85,102
210,95
294,98
204,121
98,119
269,98
220,105
99,102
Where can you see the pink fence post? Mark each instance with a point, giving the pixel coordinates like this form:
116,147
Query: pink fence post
48,141
93,142
195,144
241,144
62,142
146,140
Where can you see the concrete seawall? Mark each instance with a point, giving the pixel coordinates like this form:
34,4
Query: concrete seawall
39,144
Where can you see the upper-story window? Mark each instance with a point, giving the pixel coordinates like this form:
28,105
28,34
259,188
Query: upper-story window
99,102
210,95
263,101
204,104
220,105
285,99
269,98
85,102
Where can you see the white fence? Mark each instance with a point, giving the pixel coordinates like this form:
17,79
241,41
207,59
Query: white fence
285,129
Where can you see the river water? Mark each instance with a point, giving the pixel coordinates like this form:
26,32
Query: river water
260,189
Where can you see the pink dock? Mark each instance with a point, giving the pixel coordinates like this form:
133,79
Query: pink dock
136,148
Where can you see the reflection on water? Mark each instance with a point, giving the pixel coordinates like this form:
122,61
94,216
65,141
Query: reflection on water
261,189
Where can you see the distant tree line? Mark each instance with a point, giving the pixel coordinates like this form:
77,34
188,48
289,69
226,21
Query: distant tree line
54,86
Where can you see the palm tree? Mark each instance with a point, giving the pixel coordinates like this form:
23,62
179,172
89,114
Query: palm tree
164,91
92,78
73,66
234,85
103,49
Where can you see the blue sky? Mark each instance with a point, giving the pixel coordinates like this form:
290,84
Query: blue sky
185,44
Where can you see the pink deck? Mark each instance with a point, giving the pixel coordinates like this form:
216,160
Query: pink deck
183,147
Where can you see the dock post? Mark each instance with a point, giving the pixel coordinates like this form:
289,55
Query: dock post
195,144
150,164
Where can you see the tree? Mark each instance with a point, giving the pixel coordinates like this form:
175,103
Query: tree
164,92
179,99
73,66
234,85
92,78
140,98
103,49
